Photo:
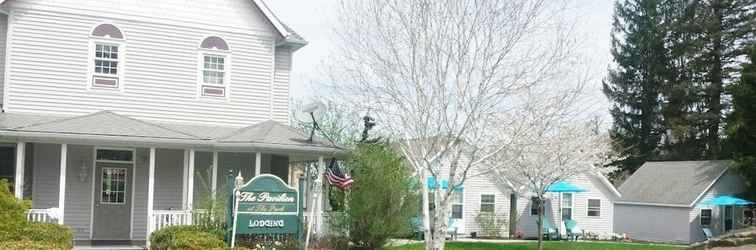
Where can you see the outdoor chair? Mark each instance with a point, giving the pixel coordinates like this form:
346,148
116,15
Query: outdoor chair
452,229
573,231
417,227
707,233
548,229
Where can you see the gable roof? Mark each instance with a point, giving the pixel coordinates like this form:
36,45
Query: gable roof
671,183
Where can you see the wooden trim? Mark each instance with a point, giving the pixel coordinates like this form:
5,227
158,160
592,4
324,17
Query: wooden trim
214,181
150,194
62,189
258,163
20,165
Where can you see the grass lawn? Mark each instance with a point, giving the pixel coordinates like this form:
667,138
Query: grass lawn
547,245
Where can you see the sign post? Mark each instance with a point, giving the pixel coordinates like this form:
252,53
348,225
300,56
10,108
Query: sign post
265,206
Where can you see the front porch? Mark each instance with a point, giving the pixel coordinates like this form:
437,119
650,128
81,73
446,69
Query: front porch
122,187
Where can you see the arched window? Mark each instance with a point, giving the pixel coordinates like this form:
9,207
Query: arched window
106,56
214,67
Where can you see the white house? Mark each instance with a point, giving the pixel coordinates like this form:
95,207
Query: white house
661,201
119,116
481,192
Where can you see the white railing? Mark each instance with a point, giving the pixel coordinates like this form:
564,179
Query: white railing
166,218
49,215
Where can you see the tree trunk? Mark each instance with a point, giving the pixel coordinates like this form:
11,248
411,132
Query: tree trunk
512,215
540,223
426,211
715,89
440,221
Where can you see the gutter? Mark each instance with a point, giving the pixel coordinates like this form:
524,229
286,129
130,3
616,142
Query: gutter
651,204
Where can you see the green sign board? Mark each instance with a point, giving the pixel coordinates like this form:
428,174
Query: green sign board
266,205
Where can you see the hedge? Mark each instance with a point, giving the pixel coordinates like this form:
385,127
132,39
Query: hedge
18,233
185,237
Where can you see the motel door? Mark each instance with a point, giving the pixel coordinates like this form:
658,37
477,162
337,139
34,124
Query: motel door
729,218
112,198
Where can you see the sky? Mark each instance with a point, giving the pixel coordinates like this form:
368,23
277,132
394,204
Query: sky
313,19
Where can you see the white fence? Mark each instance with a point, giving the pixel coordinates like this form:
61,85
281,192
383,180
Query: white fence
166,218
48,215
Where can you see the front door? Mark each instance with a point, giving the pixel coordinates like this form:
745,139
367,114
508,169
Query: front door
729,218
112,208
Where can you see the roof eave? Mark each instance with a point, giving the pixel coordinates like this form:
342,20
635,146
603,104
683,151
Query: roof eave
701,195
652,204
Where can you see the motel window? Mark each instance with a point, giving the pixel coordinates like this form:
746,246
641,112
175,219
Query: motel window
487,203
457,207
594,207
107,55
535,205
214,67
705,217
115,155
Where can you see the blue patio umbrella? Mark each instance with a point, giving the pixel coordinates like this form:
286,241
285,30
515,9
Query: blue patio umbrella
726,200
563,187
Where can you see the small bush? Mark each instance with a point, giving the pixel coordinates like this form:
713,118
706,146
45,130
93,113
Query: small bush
185,237
30,245
490,223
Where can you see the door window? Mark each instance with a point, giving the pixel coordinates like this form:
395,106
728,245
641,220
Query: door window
113,186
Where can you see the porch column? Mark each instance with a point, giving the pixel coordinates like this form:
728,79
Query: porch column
321,195
190,182
184,182
258,163
150,194
214,181
62,189
20,160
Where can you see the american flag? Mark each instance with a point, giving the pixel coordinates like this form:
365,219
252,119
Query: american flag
336,177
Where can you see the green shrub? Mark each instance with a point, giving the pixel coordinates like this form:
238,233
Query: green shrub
18,233
491,223
185,237
30,245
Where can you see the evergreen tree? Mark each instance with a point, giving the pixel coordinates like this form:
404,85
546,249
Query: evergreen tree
706,40
634,85
741,124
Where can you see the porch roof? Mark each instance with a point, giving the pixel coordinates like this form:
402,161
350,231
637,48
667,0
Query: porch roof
108,127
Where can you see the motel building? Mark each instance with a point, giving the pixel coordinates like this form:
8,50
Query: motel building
121,118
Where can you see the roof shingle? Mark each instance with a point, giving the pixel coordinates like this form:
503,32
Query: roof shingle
671,182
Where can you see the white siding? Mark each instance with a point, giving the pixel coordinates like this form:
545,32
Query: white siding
595,189
160,65
473,189
169,169
729,184
3,37
280,89
652,223
79,191
46,177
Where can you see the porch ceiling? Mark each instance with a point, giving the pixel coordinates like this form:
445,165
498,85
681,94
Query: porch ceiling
107,127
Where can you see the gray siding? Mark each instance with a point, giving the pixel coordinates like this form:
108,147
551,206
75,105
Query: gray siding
729,184
652,223
79,191
46,177
139,225
3,38
169,168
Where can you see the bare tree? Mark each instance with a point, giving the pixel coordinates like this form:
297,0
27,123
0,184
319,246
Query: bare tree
555,142
440,76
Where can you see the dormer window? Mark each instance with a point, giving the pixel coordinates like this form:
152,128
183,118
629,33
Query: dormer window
106,49
214,67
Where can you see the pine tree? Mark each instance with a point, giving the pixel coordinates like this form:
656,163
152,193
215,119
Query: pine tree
705,39
741,123
634,85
